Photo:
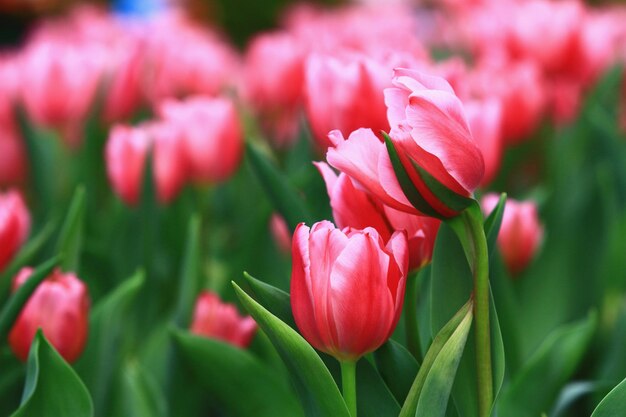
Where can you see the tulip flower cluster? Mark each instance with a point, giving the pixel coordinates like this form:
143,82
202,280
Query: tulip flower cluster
443,184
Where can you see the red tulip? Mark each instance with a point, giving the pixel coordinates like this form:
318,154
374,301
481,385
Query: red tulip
125,155
211,135
14,225
520,234
12,156
356,209
60,307
347,287
218,320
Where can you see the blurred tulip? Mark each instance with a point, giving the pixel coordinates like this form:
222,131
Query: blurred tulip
274,77
344,93
218,320
354,208
520,233
12,157
9,88
125,154
347,287
211,135
14,225
485,121
280,232
60,307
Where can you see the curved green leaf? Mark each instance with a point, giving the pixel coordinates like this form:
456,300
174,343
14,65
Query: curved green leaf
445,341
318,391
373,397
71,236
190,279
229,372
397,367
52,387
614,404
552,364
12,309
277,300
284,198
140,394
493,222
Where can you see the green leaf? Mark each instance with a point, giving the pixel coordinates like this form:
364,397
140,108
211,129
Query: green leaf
190,282
24,257
397,367
140,394
456,202
52,387
285,199
317,390
373,397
572,393
71,237
436,375
493,222
451,286
614,404
552,364
12,309
228,372
277,300
102,353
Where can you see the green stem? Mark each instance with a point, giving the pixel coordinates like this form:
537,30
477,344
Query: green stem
469,227
348,383
410,317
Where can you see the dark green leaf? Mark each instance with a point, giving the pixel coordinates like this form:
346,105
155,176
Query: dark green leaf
614,404
284,198
277,300
373,397
52,387
229,372
317,390
397,367
493,222
71,237
552,364
12,309
190,283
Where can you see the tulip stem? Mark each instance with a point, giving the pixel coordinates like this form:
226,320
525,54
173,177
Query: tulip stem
469,228
410,317
348,383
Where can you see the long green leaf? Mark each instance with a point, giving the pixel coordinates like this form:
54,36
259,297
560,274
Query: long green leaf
12,309
190,283
397,367
317,390
614,404
439,344
71,237
52,387
374,399
139,393
552,364
284,198
277,300
493,222
229,372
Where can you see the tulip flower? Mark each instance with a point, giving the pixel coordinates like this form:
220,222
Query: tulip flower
485,120
218,320
347,287
14,225
520,233
12,156
60,307
280,232
211,135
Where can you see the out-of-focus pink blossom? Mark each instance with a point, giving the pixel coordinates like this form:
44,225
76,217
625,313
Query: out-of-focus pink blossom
211,135
14,225
12,156
485,121
9,88
280,232
216,319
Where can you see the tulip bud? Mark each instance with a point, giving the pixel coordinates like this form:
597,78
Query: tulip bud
520,233
14,225
210,133
60,307
280,232
218,320
347,287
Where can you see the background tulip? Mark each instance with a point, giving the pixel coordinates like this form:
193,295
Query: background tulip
60,307
215,319
347,287
14,225
520,234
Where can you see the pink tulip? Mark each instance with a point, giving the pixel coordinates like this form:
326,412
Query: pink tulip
347,287
485,120
12,157
215,319
14,225
274,77
9,88
211,134
280,232
344,93
520,234
125,155
60,307
354,208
